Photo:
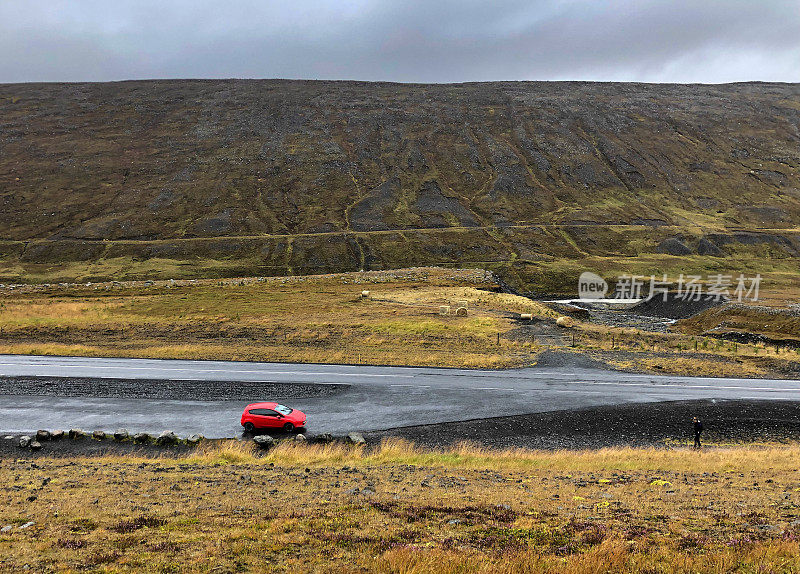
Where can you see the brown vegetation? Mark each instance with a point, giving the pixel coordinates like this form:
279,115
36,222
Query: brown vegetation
397,508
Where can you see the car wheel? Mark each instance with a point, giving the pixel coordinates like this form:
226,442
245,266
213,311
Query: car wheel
249,427
288,427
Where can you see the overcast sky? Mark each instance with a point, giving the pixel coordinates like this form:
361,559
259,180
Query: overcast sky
401,40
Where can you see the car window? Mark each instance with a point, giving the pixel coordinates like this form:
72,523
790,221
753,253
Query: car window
263,412
285,411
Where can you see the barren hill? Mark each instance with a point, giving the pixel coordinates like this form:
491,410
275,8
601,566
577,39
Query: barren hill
383,175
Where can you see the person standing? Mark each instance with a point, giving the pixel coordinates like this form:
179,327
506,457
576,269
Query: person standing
698,429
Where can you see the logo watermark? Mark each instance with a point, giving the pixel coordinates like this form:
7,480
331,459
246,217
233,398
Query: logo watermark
685,287
591,286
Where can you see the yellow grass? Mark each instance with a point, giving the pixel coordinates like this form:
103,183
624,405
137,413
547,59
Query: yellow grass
304,319
399,508
323,319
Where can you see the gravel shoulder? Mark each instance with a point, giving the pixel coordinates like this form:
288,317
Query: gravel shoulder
638,424
163,389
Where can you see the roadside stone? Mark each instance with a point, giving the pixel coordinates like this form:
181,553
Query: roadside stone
264,441
300,437
36,445
194,439
121,434
98,435
142,438
76,434
27,525
167,438
323,438
367,491
24,441
356,438
57,435
42,435
6,528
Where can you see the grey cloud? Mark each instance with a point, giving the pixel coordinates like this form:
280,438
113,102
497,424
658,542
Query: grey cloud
412,40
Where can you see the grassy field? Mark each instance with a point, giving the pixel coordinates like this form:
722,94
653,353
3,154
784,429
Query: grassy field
324,319
311,319
395,508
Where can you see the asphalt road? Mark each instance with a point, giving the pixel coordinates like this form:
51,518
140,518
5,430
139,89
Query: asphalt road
366,398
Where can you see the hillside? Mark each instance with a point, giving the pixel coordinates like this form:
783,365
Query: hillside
272,176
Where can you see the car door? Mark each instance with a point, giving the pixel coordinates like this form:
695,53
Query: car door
269,418
265,418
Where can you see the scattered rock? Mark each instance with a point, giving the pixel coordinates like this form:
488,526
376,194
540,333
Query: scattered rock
24,441
300,437
27,525
42,435
36,445
76,434
167,438
121,434
194,439
356,438
6,528
57,435
98,435
142,438
367,491
323,438
454,521
264,441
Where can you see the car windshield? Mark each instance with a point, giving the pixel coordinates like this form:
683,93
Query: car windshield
283,410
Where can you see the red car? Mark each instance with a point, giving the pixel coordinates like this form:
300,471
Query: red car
272,416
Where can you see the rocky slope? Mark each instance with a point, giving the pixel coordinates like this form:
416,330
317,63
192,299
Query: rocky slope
165,160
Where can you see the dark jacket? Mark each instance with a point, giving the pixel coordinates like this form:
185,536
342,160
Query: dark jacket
698,427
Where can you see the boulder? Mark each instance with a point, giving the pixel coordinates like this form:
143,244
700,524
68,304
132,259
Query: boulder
36,445
142,438
24,441
356,438
98,435
167,438
264,441
42,435
76,433
57,435
121,434
300,437
323,438
195,439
